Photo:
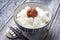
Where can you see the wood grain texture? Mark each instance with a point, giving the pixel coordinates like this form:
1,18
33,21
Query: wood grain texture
54,32
6,11
7,7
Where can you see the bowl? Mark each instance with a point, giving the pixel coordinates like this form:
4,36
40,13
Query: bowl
31,4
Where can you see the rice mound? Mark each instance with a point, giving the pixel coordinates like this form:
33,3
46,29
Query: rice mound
41,20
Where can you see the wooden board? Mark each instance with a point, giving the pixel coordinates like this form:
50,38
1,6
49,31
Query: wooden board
6,12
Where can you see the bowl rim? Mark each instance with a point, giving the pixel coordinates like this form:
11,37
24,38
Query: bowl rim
14,16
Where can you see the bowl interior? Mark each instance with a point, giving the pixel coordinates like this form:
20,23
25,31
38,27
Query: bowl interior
19,8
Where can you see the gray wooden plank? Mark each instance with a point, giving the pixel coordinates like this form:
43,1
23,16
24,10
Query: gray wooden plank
3,3
54,32
7,11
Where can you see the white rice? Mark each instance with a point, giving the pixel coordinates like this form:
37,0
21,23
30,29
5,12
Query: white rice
37,22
